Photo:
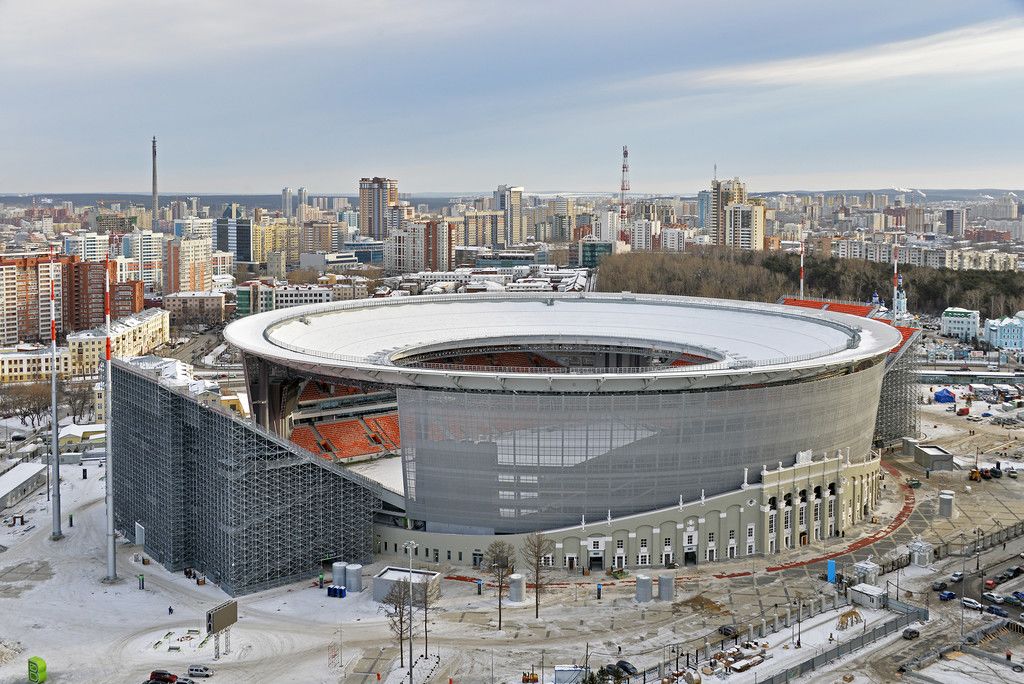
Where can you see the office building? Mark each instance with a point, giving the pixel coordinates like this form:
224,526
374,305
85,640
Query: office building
235,236
955,222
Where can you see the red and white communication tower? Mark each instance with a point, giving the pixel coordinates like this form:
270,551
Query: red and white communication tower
109,420
623,188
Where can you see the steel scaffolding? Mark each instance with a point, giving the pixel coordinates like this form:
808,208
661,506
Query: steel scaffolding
898,409
223,496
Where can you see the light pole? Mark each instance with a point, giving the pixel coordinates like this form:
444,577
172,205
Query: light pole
963,579
409,546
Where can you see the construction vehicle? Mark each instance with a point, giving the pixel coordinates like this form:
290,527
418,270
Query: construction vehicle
974,475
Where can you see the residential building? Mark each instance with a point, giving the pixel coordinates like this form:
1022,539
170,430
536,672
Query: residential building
303,205
195,308
961,323
317,236
723,193
744,226
25,281
187,266
420,246
144,259
85,294
135,335
193,226
222,263
277,265
644,234
32,363
483,227
286,203
376,196
87,246
509,199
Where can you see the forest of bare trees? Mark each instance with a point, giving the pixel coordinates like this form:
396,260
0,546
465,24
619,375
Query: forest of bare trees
766,276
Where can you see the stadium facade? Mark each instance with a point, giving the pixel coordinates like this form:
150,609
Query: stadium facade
632,430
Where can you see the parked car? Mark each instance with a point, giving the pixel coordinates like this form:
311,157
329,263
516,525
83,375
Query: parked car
162,676
1011,601
971,603
956,577
1015,570
990,583
939,586
1012,474
946,595
997,473
911,633
986,474
993,597
627,667
185,680
986,414
996,610
199,671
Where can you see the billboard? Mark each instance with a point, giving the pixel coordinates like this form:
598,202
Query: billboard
221,617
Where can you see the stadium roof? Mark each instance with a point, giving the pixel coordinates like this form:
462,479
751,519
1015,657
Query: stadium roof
749,342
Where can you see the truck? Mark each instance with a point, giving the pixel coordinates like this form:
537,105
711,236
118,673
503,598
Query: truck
963,411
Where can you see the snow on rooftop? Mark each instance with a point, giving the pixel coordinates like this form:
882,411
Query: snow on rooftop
386,471
19,475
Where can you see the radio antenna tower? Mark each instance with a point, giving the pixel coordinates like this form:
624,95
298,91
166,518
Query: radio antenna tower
108,404
54,420
623,188
801,260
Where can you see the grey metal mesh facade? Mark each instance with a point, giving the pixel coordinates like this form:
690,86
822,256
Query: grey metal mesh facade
898,409
519,462
219,495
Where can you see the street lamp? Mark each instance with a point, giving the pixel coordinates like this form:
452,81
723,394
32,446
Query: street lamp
409,546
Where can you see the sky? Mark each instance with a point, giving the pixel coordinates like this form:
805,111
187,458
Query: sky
463,95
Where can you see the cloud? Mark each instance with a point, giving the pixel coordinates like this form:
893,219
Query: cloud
73,35
991,47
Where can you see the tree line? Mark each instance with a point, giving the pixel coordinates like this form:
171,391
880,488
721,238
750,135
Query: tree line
766,276
29,402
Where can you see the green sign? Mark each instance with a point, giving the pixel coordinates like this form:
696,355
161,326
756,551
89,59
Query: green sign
36,670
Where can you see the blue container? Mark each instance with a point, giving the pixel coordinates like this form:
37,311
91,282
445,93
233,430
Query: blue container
332,591
341,592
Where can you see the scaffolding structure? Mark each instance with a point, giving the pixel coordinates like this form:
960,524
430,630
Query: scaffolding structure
898,409
222,496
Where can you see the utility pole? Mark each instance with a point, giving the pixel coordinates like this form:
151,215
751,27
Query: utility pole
409,546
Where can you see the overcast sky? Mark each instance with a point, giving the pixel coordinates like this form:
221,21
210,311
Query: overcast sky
461,95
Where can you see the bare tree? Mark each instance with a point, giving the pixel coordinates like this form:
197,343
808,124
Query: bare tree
394,608
78,397
500,561
535,553
29,401
431,594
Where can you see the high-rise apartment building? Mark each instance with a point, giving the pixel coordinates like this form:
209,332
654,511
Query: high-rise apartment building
744,226
317,236
286,202
85,294
144,249
483,228
89,246
703,208
303,205
187,265
193,226
421,246
25,296
509,200
376,195
723,193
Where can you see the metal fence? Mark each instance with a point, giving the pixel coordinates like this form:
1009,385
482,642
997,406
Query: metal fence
909,614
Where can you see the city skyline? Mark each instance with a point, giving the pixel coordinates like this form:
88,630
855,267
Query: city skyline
543,98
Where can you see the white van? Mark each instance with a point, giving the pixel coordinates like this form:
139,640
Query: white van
199,671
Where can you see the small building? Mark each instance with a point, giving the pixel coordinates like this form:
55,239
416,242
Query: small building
387,578
20,481
77,434
868,595
928,456
960,323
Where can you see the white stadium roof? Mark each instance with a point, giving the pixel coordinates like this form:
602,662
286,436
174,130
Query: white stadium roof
751,342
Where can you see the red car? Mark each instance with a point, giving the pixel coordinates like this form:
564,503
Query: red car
162,676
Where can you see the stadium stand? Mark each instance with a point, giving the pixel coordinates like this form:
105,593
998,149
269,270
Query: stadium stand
349,438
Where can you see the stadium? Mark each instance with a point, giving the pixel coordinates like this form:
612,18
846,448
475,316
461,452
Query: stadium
632,430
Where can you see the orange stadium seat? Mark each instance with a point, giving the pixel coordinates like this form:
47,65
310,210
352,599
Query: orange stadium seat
348,438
